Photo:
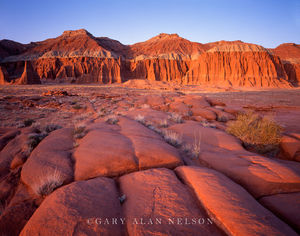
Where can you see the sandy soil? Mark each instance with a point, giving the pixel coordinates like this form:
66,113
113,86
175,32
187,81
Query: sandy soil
18,103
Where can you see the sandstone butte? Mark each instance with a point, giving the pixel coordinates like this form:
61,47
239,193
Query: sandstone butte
79,57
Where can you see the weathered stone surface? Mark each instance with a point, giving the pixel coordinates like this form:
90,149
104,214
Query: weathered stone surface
155,101
289,53
259,175
237,64
286,206
215,102
8,185
196,101
50,162
29,75
158,194
6,134
205,113
222,152
235,210
150,149
209,138
104,153
179,107
222,115
134,146
3,76
16,146
290,148
73,210
17,213
150,115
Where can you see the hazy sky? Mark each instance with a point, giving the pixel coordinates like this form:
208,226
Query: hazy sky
265,22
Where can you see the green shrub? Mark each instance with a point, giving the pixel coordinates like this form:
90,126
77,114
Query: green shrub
262,134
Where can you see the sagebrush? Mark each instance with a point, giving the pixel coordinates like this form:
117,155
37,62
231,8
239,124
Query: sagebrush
260,133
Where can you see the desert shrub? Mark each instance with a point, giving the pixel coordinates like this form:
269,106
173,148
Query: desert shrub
194,149
176,117
262,134
28,122
222,118
77,107
207,124
163,123
35,138
79,131
140,118
189,113
172,138
48,183
51,127
112,119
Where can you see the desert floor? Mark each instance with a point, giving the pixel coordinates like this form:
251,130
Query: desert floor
72,156
19,103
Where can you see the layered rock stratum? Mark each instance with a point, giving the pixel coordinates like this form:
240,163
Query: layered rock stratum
79,57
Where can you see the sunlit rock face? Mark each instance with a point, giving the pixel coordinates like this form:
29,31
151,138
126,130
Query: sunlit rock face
78,56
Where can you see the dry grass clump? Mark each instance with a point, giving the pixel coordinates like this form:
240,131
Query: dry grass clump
207,124
259,133
172,138
51,127
48,183
176,117
35,138
79,131
222,118
28,122
77,107
163,123
194,150
140,118
112,119
145,106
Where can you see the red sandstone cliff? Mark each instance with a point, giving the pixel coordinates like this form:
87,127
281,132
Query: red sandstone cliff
237,64
77,56
290,56
28,76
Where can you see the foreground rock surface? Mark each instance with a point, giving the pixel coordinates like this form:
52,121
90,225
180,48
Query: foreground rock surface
259,175
137,138
286,206
50,163
236,211
158,194
103,153
73,209
114,150
290,148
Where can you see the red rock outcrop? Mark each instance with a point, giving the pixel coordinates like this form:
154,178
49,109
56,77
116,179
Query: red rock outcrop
76,209
77,56
240,64
290,55
29,76
230,204
3,75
